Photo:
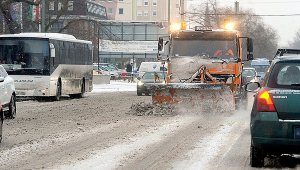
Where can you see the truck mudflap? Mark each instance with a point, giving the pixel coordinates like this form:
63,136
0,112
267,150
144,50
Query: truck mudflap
194,97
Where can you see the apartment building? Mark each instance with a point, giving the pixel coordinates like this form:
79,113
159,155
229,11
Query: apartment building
142,10
111,7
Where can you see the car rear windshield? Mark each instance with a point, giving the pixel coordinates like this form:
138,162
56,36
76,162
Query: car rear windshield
248,72
285,75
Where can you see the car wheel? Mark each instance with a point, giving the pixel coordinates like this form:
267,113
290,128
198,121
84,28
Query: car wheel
256,156
12,108
58,92
1,125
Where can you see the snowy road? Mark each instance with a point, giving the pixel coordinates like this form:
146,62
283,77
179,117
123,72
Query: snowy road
96,133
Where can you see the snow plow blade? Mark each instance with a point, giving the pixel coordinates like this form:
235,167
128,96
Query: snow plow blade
194,97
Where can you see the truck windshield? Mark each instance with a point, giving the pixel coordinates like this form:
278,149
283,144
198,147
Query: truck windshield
206,48
25,56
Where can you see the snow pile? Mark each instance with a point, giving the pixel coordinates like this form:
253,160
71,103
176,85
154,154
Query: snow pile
147,109
114,86
185,67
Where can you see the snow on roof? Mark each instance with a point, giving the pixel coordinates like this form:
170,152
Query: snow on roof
54,36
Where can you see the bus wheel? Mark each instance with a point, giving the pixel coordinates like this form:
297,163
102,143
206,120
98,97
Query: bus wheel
58,92
81,94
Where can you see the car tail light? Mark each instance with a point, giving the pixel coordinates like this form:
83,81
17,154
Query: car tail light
264,101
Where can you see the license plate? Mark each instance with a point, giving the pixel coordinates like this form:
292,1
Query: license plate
297,132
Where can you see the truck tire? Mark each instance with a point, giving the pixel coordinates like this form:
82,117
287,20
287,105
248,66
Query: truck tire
256,156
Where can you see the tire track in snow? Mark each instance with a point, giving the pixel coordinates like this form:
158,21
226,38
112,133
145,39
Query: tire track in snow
112,157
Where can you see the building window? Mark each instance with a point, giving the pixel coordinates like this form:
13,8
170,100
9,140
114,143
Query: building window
139,13
121,0
121,11
154,2
59,6
109,0
177,6
146,2
70,5
139,2
154,13
146,13
110,10
51,5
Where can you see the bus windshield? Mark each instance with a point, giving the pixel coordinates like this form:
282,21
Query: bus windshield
206,48
25,56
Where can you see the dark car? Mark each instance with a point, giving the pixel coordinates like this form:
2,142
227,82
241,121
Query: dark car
144,83
275,116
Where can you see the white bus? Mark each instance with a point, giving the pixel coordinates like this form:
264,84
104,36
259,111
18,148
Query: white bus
47,64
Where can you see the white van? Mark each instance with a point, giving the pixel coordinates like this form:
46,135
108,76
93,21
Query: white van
151,67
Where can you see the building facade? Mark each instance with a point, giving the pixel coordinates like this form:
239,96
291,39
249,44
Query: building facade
142,10
111,7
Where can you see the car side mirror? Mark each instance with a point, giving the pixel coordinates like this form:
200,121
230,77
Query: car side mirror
2,79
252,86
250,45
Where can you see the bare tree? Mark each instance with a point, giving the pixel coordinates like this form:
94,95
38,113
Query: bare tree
5,5
296,42
247,23
14,27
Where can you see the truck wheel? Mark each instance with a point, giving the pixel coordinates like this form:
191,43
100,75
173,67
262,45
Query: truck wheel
12,108
256,156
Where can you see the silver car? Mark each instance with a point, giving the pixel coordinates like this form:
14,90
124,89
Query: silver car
7,94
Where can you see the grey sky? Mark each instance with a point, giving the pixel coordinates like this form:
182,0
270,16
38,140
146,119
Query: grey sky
286,26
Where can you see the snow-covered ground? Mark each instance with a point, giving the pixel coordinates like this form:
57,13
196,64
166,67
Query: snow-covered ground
114,86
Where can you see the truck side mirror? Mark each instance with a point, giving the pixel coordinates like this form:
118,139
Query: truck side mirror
52,50
250,45
160,44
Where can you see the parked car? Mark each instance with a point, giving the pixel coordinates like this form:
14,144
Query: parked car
7,94
144,83
108,69
250,75
275,115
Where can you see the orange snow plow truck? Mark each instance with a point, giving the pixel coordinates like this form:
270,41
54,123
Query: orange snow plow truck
205,70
